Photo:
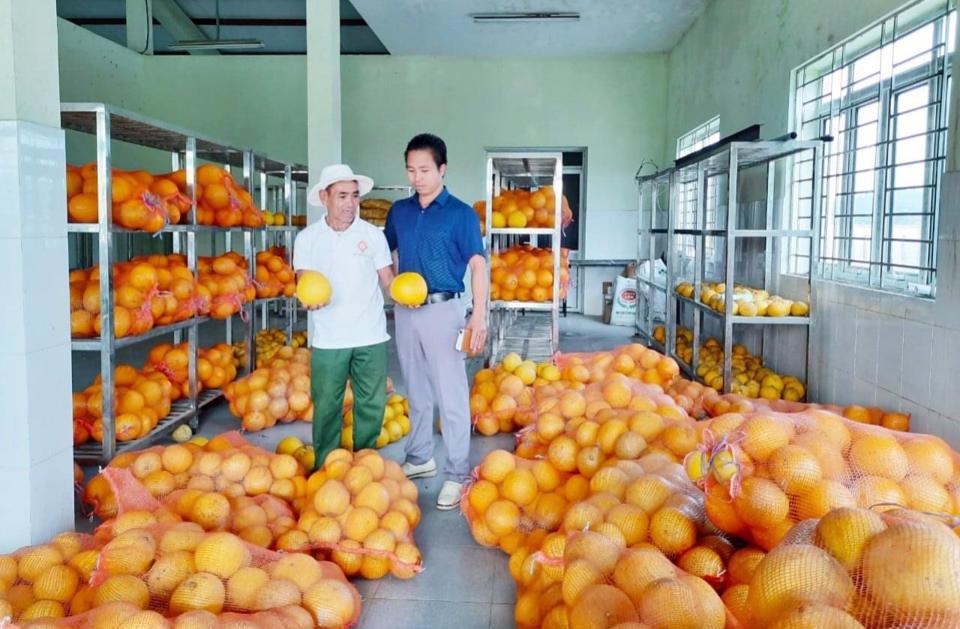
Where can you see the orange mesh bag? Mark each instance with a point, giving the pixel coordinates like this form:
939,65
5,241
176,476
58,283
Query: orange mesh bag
502,398
274,277
46,580
215,366
858,568
525,274
277,392
178,568
764,472
228,463
262,520
638,549
690,396
128,615
361,512
509,497
633,360
141,399
226,281
616,418
716,404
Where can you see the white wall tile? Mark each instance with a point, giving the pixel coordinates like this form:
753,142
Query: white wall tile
863,393
11,310
41,498
49,405
865,360
13,419
916,362
842,387
944,367
887,400
890,350
46,297
43,188
946,428
32,180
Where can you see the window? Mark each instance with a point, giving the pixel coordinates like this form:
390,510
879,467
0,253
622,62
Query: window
704,135
883,96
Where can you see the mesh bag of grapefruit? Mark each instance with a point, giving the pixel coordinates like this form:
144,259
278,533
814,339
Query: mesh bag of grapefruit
141,399
633,360
764,472
228,464
226,284
858,568
690,396
502,398
178,570
43,580
642,524
360,512
618,418
716,404
262,520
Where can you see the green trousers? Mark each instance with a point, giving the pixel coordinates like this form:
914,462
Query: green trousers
367,369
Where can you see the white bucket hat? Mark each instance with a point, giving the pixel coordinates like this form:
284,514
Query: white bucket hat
334,173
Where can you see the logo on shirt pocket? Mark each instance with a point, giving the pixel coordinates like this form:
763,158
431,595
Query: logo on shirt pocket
362,246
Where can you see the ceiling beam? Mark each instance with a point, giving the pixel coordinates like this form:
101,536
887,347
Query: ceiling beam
179,24
139,21
209,21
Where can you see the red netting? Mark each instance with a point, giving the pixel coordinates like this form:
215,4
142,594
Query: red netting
715,404
638,549
633,360
176,568
361,513
764,472
227,464
856,567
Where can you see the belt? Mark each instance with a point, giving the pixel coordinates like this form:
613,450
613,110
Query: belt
436,298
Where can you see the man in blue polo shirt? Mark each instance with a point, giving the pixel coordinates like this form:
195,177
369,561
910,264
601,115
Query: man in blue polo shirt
438,236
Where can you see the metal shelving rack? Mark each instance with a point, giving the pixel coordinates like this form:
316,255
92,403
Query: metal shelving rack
652,238
108,124
531,329
696,214
280,196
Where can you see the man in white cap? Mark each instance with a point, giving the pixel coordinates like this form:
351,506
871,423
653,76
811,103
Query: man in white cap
350,332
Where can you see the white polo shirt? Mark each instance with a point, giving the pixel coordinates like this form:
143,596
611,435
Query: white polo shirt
350,259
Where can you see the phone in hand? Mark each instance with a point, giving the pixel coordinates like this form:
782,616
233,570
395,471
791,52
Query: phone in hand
463,341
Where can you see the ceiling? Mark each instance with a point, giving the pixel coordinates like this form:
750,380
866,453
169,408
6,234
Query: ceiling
419,27
280,24
444,27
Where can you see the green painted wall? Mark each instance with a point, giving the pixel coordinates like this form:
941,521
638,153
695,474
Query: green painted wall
613,105
737,58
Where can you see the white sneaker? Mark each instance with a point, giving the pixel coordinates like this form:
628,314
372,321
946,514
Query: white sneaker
423,470
449,496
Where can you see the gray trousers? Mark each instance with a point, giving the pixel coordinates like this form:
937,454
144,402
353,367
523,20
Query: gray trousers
435,372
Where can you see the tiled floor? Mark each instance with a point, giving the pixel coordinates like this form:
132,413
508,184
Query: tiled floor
463,585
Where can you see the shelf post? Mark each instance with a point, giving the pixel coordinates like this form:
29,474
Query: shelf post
105,259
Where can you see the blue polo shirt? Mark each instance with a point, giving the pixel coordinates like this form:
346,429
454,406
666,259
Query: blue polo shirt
436,241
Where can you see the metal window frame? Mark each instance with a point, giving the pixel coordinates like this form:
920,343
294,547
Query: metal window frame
700,136
846,98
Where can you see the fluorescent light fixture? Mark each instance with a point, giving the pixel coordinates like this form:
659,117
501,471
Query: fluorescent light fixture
216,44
529,16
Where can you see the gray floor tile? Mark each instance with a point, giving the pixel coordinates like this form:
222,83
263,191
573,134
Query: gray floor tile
504,587
367,588
501,617
394,614
450,573
442,528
